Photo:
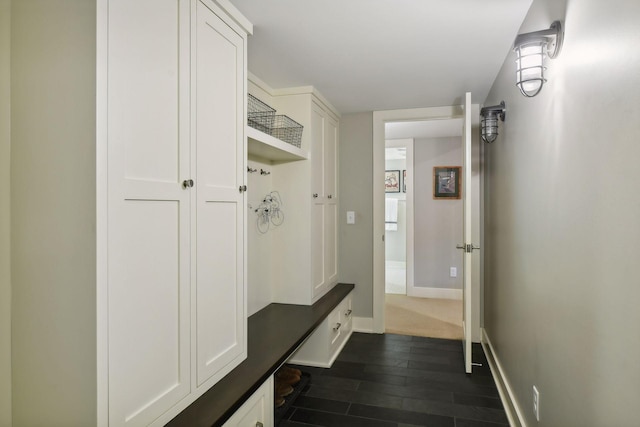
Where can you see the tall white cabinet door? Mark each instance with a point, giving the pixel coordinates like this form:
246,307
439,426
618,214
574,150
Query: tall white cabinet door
317,207
331,200
218,94
148,210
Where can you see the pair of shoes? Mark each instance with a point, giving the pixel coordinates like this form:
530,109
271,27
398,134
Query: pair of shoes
290,370
288,375
287,378
283,389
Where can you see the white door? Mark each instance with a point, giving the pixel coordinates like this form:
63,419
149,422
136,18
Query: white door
148,209
467,245
219,212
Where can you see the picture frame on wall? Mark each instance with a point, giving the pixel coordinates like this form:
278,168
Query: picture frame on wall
446,182
404,180
392,181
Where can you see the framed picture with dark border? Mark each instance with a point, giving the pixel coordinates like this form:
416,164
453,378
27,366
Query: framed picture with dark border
446,182
392,181
404,180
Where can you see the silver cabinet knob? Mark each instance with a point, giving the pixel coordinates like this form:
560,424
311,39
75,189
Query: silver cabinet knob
315,195
187,183
337,327
348,313
330,196
242,188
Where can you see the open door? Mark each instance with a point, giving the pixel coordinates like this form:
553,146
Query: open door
467,245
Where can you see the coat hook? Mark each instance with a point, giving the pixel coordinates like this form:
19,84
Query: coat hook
264,172
251,170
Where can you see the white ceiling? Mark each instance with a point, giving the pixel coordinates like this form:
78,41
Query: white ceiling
368,55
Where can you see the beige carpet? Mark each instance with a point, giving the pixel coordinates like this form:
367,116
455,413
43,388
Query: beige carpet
423,317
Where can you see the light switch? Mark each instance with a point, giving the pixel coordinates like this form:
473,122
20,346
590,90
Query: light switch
351,217
453,272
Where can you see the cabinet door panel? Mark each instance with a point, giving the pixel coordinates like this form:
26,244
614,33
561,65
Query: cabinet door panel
331,242
143,105
317,247
148,211
220,213
220,309
148,338
317,152
331,158
257,409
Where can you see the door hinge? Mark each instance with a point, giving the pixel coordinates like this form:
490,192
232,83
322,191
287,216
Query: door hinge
468,248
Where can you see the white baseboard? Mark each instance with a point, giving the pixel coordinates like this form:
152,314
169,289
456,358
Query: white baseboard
511,407
440,293
363,324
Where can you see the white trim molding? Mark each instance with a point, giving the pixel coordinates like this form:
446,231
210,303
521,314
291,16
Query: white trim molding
511,407
440,293
363,324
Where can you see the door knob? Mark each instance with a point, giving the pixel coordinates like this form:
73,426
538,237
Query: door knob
187,183
315,195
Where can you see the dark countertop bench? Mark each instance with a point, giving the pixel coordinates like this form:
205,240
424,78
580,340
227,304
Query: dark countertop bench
273,334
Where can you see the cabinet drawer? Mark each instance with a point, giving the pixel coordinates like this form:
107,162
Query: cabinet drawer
257,411
335,324
326,342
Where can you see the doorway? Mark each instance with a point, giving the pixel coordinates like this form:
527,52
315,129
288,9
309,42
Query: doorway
422,299
380,120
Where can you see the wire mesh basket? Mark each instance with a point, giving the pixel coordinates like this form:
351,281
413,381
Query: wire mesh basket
259,115
287,130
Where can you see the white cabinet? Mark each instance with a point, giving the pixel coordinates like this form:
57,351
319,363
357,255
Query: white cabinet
257,411
325,343
324,141
307,263
219,217
176,208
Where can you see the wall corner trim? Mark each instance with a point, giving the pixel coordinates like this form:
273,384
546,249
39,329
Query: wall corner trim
507,396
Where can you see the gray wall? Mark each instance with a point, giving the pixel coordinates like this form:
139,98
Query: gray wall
53,199
437,223
562,210
355,241
5,260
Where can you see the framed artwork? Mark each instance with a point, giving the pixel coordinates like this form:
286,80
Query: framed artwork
446,182
392,181
404,181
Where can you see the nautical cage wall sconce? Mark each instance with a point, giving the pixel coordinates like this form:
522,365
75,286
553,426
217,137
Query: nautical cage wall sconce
489,122
530,51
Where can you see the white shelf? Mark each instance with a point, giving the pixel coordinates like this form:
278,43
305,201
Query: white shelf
266,146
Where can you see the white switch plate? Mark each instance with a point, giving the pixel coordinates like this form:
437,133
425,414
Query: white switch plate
453,272
351,217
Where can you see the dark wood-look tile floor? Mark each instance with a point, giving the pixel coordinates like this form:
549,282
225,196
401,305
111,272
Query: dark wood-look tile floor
399,381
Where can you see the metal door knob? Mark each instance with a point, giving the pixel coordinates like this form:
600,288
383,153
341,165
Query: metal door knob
187,183
315,195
